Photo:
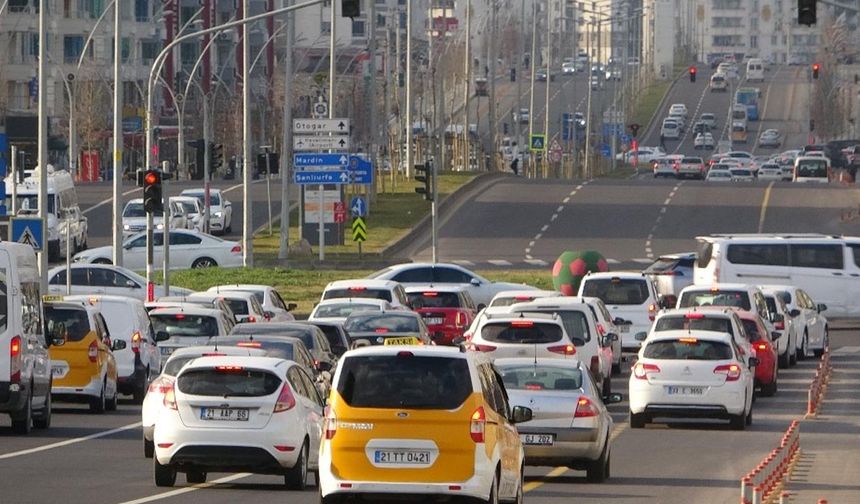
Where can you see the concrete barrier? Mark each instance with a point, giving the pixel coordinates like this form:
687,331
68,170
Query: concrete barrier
764,483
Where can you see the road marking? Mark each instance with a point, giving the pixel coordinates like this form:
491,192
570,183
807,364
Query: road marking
613,261
463,262
761,118
667,200
554,217
544,228
559,209
68,442
565,200
764,207
536,262
532,243
617,431
180,491
531,485
642,260
499,262
105,202
846,350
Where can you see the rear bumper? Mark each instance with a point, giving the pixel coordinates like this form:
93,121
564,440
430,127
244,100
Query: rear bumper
718,402
570,445
91,389
13,397
127,384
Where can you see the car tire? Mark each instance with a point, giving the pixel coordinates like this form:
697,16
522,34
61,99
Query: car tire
785,359
616,369
792,351
204,262
738,422
43,420
748,419
607,386
111,404
99,404
23,424
768,389
494,490
102,261
139,391
297,477
597,471
148,448
165,475
195,477
638,420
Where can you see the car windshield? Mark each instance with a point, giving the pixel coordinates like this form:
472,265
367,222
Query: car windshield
181,324
736,299
343,310
228,381
187,207
404,380
617,291
71,323
687,348
434,299
539,377
523,332
214,199
358,292
134,210
382,323
693,322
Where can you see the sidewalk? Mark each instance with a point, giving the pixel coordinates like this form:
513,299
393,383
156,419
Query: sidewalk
829,464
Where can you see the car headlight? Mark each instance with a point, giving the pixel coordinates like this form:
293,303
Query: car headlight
126,227
159,226
219,214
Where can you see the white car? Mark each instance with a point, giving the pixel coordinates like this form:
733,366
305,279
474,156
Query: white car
718,176
220,209
670,130
369,288
193,210
785,324
270,299
338,309
184,326
643,155
704,140
679,109
231,413
770,171
480,289
769,138
666,166
742,175
709,119
568,68
743,157
105,279
134,218
718,318
810,324
153,403
680,119
243,304
188,249
691,374
518,335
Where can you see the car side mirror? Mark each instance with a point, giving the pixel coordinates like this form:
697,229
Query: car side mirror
612,398
794,312
641,336
821,307
292,306
162,336
777,317
324,366
620,321
521,414
609,338
118,344
774,335
475,282
753,362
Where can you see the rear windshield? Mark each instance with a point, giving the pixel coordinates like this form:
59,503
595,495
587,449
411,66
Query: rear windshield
404,381
434,300
735,299
343,310
692,349
228,383
358,293
671,323
752,330
617,291
382,323
237,306
283,349
271,329
174,365
332,334
525,333
181,324
540,378
510,301
73,323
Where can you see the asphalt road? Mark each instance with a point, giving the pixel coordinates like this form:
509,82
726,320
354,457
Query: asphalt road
95,459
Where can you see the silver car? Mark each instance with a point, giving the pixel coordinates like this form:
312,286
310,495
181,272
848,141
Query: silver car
553,388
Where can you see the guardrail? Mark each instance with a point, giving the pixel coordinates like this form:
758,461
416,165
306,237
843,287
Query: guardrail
764,483
819,384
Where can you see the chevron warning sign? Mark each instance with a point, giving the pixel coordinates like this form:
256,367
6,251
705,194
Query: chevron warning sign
359,230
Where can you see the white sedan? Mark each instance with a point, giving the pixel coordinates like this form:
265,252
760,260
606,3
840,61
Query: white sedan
643,155
105,279
134,218
188,249
193,210
704,140
769,138
220,209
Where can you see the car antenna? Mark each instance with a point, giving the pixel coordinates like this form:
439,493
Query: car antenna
534,373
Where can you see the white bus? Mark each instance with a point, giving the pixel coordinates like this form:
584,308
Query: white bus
815,169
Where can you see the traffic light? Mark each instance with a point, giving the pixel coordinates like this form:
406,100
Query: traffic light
692,74
815,68
812,125
634,145
806,12
513,74
424,174
350,8
152,192
216,156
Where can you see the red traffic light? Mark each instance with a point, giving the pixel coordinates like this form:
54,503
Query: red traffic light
692,74
150,178
692,69
634,145
816,66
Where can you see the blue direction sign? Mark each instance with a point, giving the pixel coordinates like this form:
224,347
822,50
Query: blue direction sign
358,207
27,230
320,160
360,170
322,177
605,150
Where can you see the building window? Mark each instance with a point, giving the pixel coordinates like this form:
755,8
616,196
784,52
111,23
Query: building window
726,4
774,40
754,23
188,53
141,11
149,49
753,41
727,40
727,22
325,27
358,28
73,46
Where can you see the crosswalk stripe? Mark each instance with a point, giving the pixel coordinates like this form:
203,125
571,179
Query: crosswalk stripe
499,262
536,262
463,262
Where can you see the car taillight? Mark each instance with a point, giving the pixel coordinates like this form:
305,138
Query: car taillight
135,342
459,320
477,425
251,319
286,400
585,408
482,348
732,371
236,249
641,370
594,365
779,326
330,423
15,347
160,385
169,400
563,349
93,351
761,346
652,310
15,359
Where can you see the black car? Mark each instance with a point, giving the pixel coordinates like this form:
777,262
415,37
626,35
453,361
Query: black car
337,336
312,336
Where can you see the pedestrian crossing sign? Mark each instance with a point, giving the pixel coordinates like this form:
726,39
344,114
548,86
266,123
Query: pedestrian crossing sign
537,142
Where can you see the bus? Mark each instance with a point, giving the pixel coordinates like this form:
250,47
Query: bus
739,113
739,132
812,169
749,97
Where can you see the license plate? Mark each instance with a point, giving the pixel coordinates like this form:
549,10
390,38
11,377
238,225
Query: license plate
59,371
537,439
411,340
434,320
624,328
693,391
417,457
167,350
226,414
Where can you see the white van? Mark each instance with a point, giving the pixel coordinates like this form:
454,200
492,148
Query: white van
815,169
827,267
65,220
25,367
755,69
718,82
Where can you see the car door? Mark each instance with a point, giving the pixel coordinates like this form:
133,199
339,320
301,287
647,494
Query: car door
80,282
815,322
134,253
509,437
312,409
820,269
123,285
419,274
474,286
185,248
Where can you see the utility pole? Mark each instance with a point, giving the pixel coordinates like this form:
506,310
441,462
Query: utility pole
467,72
117,136
372,103
548,81
409,134
532,66
247,231
521,48
492,79
588,118
43,146
332,68
287,149
167,215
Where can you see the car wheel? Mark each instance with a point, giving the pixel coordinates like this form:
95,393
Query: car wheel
297,477
112,403
638,420
748,419
785,358
769,389
98,404
43,421
165,475
204,262
792,351
23,424
597,471
607,386
194,477
494,490
738,422
148,448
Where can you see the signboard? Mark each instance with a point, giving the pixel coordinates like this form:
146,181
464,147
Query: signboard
537,142
359,230
605,150
320,109
339,212
322,177
358,207
320,160
312,206
360,170
27,230
555,151
304,126
317,143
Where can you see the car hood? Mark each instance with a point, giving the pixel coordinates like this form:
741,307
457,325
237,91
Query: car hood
105,251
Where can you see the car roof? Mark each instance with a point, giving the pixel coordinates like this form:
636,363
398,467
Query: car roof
678,255
362,282
718,311
267,363
226,349
94,299
417,350
690,333
187,310
436,287
200,191
239,287
245,295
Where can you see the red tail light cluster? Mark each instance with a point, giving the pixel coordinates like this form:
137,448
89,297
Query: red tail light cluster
761,346
160,385
482,348
169,400
585,408
652,311
93,351
236,249
14,355
732,371
477,425
642,370
563,349
286,401
135,342
330,423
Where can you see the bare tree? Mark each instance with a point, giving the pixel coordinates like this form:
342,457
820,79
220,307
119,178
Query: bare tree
826,107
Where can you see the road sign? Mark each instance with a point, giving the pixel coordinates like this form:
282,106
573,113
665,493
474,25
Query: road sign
339,212
320,109
312,205
605,150
320,160
360,170
303,126
316,143
358,207
322,177
555,151
27,230
537,142
359,230
625,138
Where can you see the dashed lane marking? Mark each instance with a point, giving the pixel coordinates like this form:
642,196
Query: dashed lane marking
106,201
68,442
536,262
764,203
531,485
499,262
464,262
181,491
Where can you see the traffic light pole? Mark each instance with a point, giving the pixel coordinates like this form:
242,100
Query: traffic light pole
166,227
207,161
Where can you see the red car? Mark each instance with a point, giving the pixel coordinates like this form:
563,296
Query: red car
766,352
447,311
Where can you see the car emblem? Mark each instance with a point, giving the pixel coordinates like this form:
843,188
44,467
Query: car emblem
522,352
225,405
687,370
402,414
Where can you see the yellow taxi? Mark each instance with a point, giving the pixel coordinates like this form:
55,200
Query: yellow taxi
420,421
83,367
